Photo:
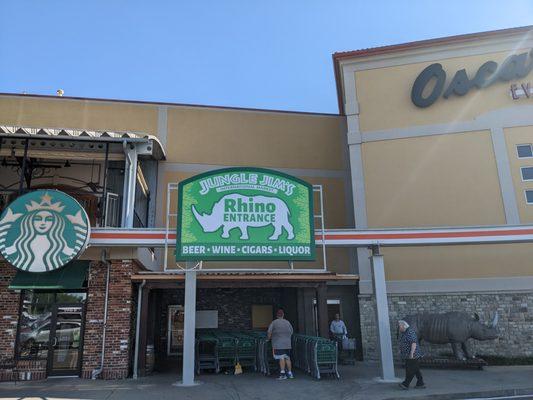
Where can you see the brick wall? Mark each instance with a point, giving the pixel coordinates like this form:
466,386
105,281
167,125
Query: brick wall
118,347
234,308
9,312
515,325
94,318
118,332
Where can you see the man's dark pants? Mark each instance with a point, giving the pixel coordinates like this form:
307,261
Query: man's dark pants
412,369
338,338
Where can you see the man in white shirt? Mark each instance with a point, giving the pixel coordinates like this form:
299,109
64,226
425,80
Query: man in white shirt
338,330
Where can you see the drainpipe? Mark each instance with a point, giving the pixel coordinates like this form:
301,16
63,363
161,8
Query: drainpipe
137,328
96,372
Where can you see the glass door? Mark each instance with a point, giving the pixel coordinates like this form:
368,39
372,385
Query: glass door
176,316
65,340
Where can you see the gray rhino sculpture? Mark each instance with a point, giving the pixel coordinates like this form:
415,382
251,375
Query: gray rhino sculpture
452,327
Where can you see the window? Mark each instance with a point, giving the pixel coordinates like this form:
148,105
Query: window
529,196
262,316
524,150
71,297
176,318
527,173
34,331
36,320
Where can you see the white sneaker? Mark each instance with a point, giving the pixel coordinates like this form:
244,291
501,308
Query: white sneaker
290,375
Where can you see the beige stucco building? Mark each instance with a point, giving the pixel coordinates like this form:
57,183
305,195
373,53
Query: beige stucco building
461,159
121,160
437,133
197,139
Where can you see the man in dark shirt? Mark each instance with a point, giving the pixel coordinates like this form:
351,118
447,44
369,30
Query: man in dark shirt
280,332
410,352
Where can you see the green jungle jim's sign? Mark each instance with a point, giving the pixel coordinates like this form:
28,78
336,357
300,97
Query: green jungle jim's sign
246,214
43,230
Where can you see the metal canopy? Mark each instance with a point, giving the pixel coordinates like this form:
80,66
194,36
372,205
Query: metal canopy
43,140
156,280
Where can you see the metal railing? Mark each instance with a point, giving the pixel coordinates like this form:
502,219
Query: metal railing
112,205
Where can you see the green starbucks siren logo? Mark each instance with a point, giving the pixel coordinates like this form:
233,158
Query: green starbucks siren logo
43,230
245,213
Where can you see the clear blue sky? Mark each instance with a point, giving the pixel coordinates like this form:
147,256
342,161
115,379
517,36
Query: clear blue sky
249,53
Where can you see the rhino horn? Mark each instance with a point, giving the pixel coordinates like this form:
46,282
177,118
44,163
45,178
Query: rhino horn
476,316
202,219
495,320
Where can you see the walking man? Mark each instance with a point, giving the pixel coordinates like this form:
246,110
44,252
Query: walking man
337,327
280,332
410,353
338,331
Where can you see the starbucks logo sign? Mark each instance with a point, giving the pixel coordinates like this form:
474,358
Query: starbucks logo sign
43,230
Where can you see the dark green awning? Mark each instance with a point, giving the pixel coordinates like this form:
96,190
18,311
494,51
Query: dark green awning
71,276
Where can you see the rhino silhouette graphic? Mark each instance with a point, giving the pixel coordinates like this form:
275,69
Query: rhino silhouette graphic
237,211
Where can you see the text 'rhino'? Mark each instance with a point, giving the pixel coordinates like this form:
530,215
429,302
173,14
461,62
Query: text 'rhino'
238,211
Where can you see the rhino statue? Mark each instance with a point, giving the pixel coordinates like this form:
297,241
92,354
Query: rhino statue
241,212
452,327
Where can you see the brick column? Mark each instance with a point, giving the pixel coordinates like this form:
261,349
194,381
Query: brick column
119,313
9,314
94,318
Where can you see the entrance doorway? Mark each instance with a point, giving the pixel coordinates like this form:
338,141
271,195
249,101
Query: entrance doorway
51,330
334,307
65,340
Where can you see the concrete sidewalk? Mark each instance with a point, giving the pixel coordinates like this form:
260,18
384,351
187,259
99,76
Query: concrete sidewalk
357,382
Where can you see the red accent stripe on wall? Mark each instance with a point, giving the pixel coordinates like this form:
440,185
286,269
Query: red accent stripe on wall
427,235
346,236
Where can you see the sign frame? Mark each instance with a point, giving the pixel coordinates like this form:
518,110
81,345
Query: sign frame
195,257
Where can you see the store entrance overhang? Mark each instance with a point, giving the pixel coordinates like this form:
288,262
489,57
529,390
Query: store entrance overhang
244,280
72,277
373,239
